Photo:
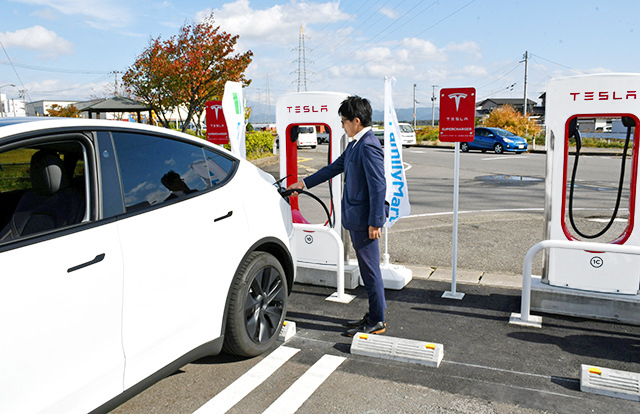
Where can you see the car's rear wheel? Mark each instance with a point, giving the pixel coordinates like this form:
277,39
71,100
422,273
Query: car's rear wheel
498,148
257,306
464,146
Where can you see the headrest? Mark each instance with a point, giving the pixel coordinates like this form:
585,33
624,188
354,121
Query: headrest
47,173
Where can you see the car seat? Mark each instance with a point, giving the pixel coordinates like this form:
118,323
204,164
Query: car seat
51,202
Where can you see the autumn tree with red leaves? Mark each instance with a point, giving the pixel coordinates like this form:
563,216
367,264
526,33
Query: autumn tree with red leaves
69,111
187,70
506,117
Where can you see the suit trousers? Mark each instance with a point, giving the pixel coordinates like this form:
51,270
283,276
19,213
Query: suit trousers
368,255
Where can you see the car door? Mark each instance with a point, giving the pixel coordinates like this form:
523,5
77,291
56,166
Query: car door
175,243
480,140
60,295
490,140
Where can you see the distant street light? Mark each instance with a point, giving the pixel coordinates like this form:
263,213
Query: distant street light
1,103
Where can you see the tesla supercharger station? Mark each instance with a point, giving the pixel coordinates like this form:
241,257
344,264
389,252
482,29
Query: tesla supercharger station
316,251
582,204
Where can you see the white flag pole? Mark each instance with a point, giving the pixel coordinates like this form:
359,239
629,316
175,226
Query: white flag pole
393,276
385,256
456,187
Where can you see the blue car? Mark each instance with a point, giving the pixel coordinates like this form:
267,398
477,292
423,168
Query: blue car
495,139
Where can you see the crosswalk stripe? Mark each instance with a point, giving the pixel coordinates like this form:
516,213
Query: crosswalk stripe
240,388
301,390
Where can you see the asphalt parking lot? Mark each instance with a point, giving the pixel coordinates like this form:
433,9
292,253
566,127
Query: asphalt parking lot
488,366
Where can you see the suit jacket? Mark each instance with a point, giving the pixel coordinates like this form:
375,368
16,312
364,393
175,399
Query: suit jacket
365,186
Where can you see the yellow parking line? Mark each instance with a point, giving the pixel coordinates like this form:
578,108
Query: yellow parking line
300,159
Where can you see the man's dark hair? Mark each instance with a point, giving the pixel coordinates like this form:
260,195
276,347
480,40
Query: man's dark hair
356,107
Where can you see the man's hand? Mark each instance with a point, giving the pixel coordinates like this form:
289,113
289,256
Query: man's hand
296,186
375,232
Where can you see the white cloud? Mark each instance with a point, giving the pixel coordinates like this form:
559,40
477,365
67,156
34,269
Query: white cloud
96,13
66,89
40,39
471,49
473,70
46,14
388,12
277,24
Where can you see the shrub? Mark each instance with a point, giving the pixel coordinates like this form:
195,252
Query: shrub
506,117
259,144
427,133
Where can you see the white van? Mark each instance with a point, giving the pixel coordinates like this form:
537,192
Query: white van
307,136
408,134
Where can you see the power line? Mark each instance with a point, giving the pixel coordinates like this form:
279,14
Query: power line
408,39
24,90
56,70
364,21
559,64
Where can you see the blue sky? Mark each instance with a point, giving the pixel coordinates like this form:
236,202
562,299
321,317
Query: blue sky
70,49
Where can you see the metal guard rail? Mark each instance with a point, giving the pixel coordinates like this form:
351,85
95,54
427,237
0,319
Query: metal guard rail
525,318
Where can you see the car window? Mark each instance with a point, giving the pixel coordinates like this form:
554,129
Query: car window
481,132
505,133
218,167
406,129
42,188
306,130
154,169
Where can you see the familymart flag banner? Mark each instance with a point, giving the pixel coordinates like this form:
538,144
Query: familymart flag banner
233,110
397,190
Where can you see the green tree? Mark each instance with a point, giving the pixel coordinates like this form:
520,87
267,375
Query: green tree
506,117
187,70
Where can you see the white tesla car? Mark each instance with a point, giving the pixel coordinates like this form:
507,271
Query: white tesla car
126,252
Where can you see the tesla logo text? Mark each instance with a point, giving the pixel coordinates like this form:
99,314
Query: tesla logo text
299,109
603,95
457,97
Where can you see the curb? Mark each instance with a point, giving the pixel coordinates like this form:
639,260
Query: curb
265,161
572,150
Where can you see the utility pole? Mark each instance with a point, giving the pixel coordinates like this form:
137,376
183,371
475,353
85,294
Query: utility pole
433,105
414,106
526,69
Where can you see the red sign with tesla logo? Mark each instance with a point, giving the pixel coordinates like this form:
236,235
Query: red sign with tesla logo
457,114
216,124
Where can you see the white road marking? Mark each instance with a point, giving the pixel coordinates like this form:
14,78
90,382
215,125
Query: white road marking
240,388
301,390
520,157
449,213
501,210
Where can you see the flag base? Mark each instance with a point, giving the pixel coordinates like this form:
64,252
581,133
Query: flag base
395,277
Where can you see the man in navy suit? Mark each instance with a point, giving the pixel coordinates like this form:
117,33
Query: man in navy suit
363,204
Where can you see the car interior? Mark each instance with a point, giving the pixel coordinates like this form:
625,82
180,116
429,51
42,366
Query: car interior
42,188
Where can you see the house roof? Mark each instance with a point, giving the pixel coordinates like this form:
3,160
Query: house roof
115,104
506,101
